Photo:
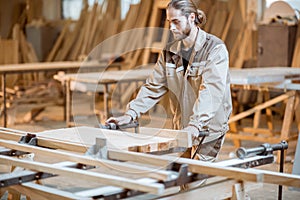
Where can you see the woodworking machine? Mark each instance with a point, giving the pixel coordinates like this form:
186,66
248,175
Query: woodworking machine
260,156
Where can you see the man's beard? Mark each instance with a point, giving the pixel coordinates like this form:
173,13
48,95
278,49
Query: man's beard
185,33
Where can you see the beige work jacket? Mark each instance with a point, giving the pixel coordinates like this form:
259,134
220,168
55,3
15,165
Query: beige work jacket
201,96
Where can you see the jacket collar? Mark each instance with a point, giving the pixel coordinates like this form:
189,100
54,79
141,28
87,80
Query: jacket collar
200,40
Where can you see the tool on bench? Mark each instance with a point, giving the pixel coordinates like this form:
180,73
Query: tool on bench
114,126
202,134
263,150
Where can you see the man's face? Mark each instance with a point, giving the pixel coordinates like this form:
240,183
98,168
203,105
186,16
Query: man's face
180,25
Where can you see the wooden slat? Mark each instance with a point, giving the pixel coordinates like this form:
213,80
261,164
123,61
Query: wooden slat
220,18
193,165
114,165
182,137
296,57
261,106
229,21
201,167
58,42
154,188
242,136
40,192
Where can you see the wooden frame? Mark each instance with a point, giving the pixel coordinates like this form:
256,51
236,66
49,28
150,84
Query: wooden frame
264,82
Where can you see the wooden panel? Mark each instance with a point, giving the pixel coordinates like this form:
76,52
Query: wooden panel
115,139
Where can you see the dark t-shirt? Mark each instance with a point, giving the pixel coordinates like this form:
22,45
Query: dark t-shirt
186,54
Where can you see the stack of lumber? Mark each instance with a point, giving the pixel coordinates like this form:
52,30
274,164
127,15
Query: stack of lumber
230,21
97,24
34,98
27,52
234,24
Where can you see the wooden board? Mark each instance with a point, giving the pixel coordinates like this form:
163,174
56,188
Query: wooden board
115,139
263,75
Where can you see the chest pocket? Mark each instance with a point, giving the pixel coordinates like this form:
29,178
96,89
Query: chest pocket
195,73
196,69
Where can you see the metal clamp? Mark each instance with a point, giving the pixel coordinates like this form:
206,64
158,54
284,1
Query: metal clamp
29,138
263,150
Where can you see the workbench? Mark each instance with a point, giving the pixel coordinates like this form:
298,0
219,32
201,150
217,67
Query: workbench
96,82
45,67
283,81
263,80
69,165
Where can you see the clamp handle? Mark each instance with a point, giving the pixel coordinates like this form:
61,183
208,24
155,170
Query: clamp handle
263,149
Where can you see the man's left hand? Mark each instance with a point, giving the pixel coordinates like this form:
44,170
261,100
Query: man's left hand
192,130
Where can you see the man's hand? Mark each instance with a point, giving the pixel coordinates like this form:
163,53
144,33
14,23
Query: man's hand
122,120
192,130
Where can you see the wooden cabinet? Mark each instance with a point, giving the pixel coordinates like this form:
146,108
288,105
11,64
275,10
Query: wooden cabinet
275,45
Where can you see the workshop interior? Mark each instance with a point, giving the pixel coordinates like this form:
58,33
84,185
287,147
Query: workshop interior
71,69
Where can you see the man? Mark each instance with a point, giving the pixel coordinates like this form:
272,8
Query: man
194,69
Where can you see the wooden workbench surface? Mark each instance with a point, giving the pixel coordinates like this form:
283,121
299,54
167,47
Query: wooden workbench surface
263,75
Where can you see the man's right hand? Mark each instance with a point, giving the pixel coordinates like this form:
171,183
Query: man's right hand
122,120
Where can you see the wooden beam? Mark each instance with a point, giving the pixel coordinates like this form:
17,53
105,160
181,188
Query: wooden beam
261,106
201,167
36,191
50,143
114,165
183,138
154,188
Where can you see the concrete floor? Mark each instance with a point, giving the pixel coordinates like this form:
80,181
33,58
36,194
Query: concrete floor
52,118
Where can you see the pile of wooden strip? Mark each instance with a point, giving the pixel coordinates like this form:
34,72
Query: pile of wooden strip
34,97
27,52
96,24
231,22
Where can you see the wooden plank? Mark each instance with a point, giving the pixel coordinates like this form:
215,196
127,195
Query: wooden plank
115,139
154,188
47,66
214,188
59,41
296,57
220,18
70,42
34,112
229,21
114,165
37,191
261,106
201,167
183,138
50,143
193,165
288,116
242,136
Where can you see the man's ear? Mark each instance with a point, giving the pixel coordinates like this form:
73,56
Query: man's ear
192,17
